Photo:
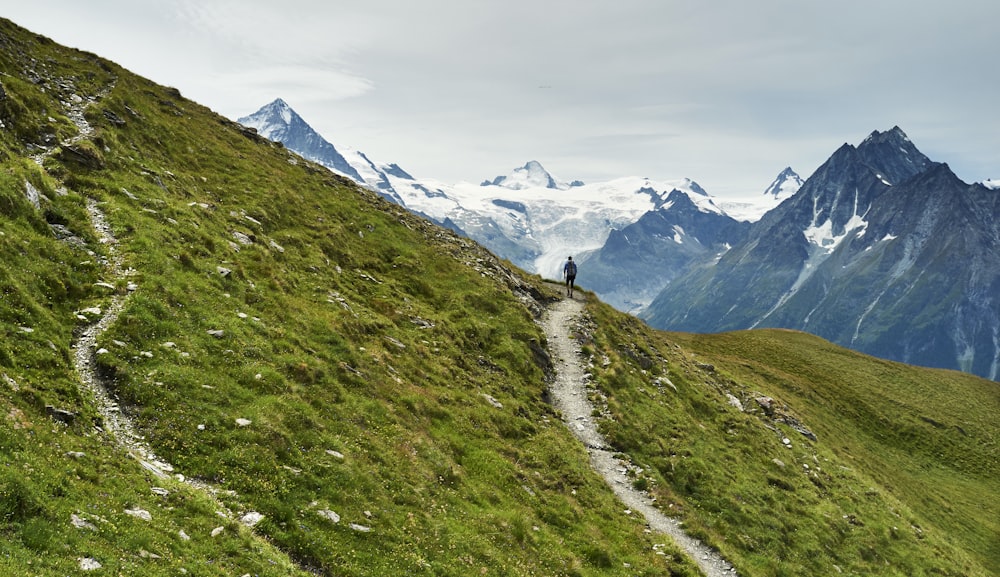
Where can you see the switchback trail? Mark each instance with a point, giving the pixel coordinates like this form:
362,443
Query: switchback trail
569,394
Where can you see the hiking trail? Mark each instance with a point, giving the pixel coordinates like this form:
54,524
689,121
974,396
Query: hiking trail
569,394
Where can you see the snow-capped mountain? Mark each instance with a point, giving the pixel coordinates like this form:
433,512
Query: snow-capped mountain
278,122
881,250
528,216
751,209
531,175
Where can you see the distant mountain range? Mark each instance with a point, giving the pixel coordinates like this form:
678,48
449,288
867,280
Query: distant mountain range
881,249
530,218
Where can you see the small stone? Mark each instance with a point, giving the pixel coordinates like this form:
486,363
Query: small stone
335,454
139,514
329,515
251,519
184,536
217,333
76,454
217,531
360,528
88,564
159,491
81,523
243,422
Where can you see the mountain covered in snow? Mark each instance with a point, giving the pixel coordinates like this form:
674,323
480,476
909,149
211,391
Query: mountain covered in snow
531,175
528,216
881,250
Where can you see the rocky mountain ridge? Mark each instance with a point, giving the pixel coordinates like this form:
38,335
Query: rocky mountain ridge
881,250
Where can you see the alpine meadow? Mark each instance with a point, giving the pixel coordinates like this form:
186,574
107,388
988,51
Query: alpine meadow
218,358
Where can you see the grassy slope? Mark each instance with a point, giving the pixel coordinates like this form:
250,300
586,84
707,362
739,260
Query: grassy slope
350,327
901,479
326,348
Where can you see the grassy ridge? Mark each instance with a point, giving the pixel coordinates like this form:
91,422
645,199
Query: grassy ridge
899,480
296,342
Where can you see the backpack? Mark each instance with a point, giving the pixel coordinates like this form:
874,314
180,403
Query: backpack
570,268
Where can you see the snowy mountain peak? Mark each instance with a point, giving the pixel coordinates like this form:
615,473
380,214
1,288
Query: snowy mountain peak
272,120
787,183
531,175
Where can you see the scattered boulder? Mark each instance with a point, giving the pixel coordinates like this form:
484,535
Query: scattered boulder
139,514
489,399
767,404
251,519
81,523
88,564
61,415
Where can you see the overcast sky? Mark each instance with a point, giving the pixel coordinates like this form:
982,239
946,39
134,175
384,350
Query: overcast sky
725,92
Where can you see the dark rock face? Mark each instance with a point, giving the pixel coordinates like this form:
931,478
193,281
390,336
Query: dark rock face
881,250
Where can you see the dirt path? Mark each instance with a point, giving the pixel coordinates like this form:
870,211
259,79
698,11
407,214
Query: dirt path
569,393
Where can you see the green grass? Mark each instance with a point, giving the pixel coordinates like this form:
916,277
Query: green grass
349,327
900,480
361,343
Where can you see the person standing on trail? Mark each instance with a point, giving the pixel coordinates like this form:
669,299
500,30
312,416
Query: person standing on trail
569,273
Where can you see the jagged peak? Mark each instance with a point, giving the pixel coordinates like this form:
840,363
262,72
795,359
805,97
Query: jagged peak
894,133
787,183
531,175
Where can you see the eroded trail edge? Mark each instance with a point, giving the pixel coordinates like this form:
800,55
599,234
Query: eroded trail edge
569,394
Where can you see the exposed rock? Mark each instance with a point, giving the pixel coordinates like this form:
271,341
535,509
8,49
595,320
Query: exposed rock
329,515
251,519
88,564
139,514
32,194
81,523
734,401
241,422
61,415
489,399
767,404
360,528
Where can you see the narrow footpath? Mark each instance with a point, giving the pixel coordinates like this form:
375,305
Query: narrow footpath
569,394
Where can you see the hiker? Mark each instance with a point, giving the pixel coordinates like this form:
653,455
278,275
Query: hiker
569,273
